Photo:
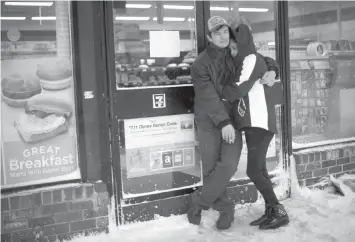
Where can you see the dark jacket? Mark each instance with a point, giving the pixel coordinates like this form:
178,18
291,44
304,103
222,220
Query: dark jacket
207,74
253,104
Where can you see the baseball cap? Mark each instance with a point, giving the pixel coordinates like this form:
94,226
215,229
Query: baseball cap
215,22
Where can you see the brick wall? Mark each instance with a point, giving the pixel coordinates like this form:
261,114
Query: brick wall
313,166
55,214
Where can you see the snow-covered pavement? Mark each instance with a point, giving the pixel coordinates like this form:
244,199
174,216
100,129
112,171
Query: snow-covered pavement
315,216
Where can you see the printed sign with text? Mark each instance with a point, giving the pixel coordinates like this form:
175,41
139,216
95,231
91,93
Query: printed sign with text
163,144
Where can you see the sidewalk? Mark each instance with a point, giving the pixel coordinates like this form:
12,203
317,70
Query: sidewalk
316,216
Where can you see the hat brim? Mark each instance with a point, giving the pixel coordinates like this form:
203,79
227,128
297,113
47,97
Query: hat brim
214,29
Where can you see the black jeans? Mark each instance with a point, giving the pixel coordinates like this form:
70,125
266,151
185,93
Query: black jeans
258,141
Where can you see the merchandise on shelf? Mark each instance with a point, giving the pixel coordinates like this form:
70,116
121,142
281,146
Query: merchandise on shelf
318,106
152,74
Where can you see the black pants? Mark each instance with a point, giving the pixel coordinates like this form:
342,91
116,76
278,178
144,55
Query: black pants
219,161
258,141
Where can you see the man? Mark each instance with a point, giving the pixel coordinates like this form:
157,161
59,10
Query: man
219,143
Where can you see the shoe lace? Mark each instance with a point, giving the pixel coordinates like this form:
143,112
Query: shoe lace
269,211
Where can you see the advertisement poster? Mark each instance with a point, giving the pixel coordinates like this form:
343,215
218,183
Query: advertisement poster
39,143
159,144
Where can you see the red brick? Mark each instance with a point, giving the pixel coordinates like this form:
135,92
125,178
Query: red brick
301,182
36,199
328,163
6,237
100,187
298,159
320,172
301,168
14,225
68,217
5,216
314,166
341,174
32,223
89,191
349,167
347,152
26,201
335,169
311,157
47,197
312,181
14,203
56,229
103,211
317,156
352,150
22,236
79,192
304,175
82,225
103,200
5,206
344,160
22,213
329,155
68,194
55,208
57,196
102,222
51,238
335,154
82,205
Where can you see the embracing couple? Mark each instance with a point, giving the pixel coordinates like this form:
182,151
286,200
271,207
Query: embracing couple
235,92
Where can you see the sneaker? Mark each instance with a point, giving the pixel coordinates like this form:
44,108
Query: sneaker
194,214
226,218
278,217
263,218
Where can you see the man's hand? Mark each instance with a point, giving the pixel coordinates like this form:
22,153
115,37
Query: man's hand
228,134
268,78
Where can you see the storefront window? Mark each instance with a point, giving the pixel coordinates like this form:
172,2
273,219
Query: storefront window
155,43
38,120
259,15
322,53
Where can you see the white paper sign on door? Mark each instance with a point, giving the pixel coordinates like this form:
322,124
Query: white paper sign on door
164,44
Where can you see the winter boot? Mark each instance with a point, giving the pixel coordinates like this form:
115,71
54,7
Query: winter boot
226,218
194,214
263,218
276,218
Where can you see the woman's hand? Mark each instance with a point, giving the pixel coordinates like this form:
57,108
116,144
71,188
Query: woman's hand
268,78
233,47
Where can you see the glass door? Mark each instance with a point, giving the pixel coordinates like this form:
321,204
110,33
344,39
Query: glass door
154,46
260,16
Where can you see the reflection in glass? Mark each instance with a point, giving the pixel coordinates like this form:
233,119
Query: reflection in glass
155,43
322,53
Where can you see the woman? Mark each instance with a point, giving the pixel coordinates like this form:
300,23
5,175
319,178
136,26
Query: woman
253,98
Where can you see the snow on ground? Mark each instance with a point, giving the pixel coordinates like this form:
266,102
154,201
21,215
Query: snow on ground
316,216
